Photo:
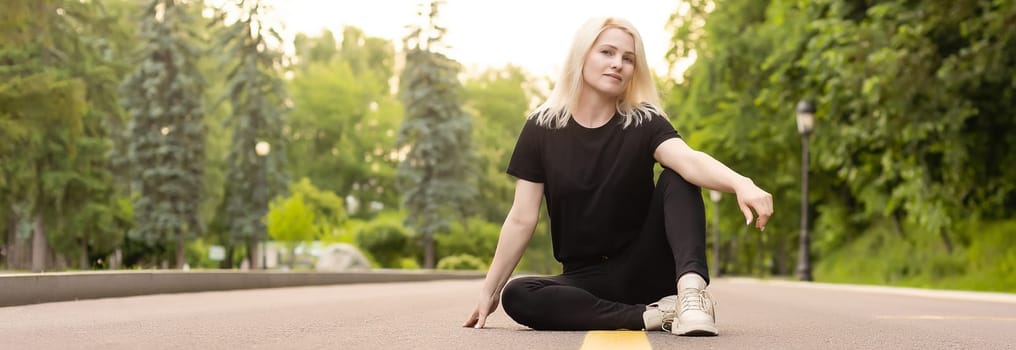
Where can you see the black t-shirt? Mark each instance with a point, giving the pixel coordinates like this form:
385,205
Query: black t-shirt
598,182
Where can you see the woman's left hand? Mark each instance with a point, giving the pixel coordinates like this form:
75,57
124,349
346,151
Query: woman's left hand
752,198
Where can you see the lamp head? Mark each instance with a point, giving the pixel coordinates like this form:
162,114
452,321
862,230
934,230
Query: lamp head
805,117
262,148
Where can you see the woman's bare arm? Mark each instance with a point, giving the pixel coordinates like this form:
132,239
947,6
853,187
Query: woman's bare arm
703,170
515,235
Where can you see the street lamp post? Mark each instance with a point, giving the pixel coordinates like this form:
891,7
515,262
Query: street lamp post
262,149
805,124
715,196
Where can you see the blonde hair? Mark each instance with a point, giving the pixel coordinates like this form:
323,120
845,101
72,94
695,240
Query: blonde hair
640,99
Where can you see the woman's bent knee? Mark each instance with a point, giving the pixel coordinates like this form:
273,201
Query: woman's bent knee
517,300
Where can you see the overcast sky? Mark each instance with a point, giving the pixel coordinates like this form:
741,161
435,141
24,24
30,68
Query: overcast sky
534,34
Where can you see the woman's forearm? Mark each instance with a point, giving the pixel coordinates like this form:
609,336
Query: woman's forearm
515,235
705,171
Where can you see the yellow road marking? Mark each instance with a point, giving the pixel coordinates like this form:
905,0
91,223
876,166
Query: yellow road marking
629,340
946,318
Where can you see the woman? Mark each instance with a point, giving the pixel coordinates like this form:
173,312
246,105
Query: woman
626,246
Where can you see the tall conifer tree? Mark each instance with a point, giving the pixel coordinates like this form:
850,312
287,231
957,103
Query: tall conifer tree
436,132
257,95
163,97
58,99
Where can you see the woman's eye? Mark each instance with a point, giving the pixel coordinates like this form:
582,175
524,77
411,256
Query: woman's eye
607,52
629,59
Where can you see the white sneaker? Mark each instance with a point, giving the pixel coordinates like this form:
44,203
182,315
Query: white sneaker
660,315
696,315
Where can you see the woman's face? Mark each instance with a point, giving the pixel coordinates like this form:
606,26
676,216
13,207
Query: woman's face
610,63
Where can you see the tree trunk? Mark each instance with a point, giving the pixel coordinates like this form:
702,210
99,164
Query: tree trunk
24,253
19,250
946,241
428,251
56,261
227,261
896,224
252,254
38,245
760,267
781,258
731,267
11,235
83,261
115,259
180,259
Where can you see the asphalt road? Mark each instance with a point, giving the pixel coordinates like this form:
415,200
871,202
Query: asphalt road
427,315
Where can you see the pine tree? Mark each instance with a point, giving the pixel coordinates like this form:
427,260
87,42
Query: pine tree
163,97
257,96
58,94
90,220
436,132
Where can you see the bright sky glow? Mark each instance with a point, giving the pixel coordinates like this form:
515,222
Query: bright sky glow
533,34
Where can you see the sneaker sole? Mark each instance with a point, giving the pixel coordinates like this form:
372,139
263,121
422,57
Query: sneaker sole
696,330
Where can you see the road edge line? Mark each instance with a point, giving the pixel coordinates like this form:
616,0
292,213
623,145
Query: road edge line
994,297
34,288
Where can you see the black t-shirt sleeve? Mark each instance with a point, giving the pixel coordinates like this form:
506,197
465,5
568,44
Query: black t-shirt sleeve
527,158
660,130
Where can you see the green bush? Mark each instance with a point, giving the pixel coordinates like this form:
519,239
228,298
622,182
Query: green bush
991,258
918,259
327,207
478,238
291,220
344,233
388,241
196,255
461,262
474,236
409,264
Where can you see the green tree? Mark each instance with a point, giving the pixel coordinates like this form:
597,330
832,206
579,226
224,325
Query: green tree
217,146
59,103
257,98
91,220
498,100
329,212
163,96
436,131
341,133
936,80
291,221
906,92
41,123
386,239
717,109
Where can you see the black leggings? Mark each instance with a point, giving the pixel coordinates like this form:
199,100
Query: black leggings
613,293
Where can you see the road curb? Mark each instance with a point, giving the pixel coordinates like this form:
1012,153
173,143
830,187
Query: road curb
993,297
23,289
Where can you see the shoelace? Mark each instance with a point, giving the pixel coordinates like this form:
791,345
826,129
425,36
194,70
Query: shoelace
667,306
694,299
690,299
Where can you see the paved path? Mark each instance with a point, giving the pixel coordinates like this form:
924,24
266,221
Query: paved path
427,315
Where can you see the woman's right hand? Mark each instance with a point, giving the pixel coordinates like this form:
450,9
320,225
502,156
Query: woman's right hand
486,306
515,234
